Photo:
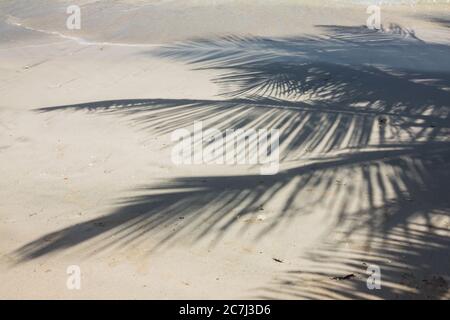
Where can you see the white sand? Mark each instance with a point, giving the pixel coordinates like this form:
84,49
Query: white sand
94,185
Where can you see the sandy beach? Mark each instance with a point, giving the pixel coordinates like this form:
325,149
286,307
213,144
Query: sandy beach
86,171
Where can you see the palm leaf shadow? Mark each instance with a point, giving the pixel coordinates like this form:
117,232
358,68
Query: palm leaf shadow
345,103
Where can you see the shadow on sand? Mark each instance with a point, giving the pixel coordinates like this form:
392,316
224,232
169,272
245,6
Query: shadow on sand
365,105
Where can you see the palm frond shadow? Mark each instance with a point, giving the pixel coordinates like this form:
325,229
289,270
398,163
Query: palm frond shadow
306,129
324,94
380,70
413,261
214,204
354,103
406,235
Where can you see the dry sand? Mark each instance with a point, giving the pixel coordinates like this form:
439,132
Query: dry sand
365,164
